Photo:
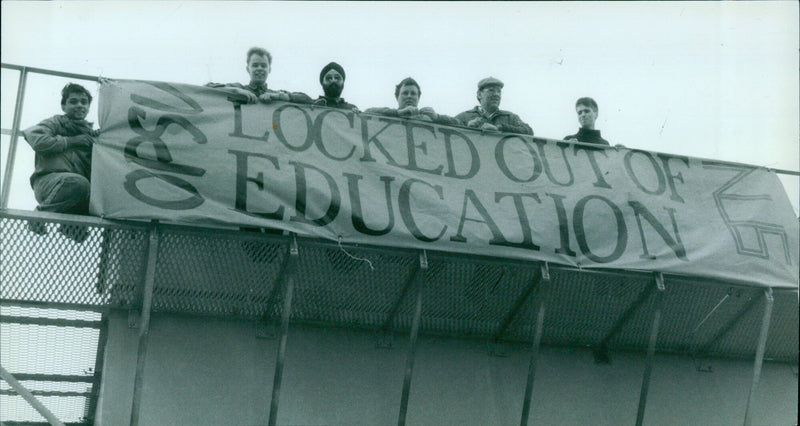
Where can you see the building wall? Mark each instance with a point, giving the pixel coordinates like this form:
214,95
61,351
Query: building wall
203,371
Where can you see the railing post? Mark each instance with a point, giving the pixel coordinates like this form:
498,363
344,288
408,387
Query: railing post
412,348
12,143
762,345
537,339
651,348
144,323
286,313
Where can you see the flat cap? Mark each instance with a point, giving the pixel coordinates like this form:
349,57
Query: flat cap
489,81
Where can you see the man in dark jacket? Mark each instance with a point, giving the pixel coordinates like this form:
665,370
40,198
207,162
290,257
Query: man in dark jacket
332,80
63,161
407,93
488,115
259,65
587,115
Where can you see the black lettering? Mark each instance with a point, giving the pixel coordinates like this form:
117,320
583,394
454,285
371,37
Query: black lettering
546,163
670,177
413,147
499,154
525,224
366,140
194,107
404,203
497,237
674,243
590,151
237,125
662,186
242,178
302,196
276,126
357,211
563,225
475,159
132,178
163,158
318,133
580,231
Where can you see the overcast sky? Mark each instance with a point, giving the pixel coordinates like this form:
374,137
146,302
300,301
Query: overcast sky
714,80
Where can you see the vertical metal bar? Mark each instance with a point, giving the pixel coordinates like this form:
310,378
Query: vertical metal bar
98,366
286,313
518,304
762,345
412,348
26,394
537,339
651,348
12,143
144,323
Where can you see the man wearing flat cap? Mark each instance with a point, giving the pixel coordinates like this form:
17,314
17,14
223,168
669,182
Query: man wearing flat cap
488,115
332,80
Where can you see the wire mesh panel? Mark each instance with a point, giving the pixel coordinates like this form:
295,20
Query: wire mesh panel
215,274
470,299
348,288
54,362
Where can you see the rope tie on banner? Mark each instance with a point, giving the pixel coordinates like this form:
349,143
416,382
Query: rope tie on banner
363,259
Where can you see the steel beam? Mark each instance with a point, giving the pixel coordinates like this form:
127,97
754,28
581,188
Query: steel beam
543,274
651,348
98,367
144,324
286,313
762,345
26,394
12,143
537,340
53,378
601,350
419,282
386,328
58,322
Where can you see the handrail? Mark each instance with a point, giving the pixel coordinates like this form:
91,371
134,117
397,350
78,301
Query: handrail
49,72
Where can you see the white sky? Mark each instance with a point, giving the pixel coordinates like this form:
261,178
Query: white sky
704,79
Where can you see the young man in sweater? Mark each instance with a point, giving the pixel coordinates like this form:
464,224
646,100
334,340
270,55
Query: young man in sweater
587,115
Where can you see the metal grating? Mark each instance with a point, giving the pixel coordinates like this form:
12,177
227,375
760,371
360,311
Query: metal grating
55,362
216,275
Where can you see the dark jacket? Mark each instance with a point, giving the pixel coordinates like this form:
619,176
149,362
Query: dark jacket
587,136
54,153
338,103
506,121
296,97
392,112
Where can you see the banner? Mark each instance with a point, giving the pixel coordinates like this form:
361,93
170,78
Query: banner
192,154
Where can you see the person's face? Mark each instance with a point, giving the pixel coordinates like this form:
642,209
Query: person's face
332,83
408,96
489,97
586,116
258,68
76,106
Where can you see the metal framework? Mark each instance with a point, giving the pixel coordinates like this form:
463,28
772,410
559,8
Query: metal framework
527,303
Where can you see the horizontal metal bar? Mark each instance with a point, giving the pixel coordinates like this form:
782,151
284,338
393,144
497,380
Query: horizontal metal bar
71,219
53,378
50,72
53,305
46,393
5,131
58,322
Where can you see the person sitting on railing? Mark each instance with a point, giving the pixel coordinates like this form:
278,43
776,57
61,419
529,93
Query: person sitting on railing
259,64
488,115
332,80
407,93
63,147
587,114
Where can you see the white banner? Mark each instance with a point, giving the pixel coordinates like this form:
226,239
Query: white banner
193,154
